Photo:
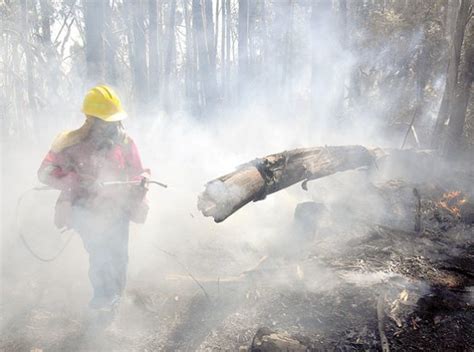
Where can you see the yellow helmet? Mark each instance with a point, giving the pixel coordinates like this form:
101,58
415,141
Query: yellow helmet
102,102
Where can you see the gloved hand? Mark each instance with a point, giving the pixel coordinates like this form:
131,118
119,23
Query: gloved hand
137,206
138,192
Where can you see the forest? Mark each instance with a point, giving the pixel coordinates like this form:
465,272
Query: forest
334,62
344,131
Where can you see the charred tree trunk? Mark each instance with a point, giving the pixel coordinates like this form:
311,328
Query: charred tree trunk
190,65
200,45
94,32
29,63
25,26
264,60
253,181
18,89
211,49
139,64
339,112
228,46
216,32
452,74
320,13
343,20
421,70
111,44
252,44
170,50
6,121
207,77
154,53
223,51
51,70
243,44
286,77
457,116
45,22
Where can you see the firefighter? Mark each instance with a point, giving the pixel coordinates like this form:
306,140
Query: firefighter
77,164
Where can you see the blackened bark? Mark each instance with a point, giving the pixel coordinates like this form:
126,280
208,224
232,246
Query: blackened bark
457,117
452,75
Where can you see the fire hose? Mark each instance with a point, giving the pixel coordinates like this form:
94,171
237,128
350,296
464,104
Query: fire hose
21,234
66,243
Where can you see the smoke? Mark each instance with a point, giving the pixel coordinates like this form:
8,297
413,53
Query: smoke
185,152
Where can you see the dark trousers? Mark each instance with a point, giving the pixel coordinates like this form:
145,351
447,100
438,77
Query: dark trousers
105,238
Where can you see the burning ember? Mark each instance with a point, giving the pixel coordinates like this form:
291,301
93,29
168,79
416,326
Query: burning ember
452,201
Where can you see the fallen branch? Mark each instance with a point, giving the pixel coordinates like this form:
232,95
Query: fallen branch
380,318
187,271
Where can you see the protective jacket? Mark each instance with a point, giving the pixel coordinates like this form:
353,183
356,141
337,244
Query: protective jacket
75,162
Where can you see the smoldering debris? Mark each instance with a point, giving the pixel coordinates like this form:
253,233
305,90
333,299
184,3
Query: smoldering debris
413,248
404,285
377,257
350,268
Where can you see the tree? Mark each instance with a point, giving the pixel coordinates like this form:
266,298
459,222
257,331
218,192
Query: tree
321,19
211,48
94,43
223,47
111,44
190,62
228,45
170,48
451,86
243,50
30,80
462,94
154,53
45,7
206,76
137,51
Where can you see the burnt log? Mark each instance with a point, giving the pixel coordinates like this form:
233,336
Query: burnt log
255,180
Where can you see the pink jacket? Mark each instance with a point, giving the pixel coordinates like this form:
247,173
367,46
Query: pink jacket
75,167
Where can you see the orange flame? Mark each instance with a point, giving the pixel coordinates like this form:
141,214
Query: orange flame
452,202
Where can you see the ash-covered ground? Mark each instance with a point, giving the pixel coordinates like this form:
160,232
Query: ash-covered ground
341,268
